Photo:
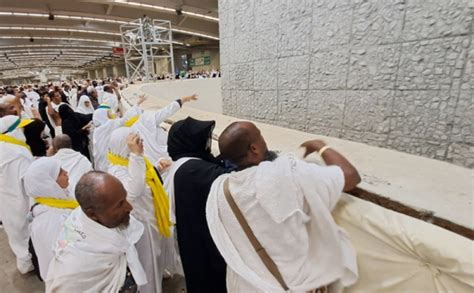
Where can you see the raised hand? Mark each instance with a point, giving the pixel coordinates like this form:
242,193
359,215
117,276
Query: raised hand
141,99
312,146
189,98
135,144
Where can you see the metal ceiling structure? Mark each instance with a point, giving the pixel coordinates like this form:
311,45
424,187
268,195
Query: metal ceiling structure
80,34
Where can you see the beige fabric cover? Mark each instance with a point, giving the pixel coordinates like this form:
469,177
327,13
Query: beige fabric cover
398,253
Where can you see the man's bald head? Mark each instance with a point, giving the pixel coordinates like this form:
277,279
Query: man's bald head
103,198
62,141
242,144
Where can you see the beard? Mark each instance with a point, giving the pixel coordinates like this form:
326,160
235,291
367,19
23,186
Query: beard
270,156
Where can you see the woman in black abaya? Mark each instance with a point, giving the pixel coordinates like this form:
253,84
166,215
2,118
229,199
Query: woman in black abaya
204,267
76,125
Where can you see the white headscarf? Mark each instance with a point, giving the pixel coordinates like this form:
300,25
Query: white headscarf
118,142
6,122
111,100
100,116
40,179
82,108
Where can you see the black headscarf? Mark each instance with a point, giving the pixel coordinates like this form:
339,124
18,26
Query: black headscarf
72,124
204,267
33,133
191,138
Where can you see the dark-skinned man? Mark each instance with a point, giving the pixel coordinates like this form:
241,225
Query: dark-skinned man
272,222
95,251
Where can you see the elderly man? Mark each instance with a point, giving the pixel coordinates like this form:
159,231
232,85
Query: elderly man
15,158
95,251
73,162
272,222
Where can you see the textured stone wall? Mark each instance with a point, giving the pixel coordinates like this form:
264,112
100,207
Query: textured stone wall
392,73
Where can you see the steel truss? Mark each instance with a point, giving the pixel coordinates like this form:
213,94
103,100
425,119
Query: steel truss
145,40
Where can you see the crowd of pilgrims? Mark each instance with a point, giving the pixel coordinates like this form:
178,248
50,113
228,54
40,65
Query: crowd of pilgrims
98,197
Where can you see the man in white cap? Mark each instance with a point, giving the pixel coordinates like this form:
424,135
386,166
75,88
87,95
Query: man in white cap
15,158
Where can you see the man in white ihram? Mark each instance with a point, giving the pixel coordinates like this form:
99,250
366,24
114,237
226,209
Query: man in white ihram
95,251
272,222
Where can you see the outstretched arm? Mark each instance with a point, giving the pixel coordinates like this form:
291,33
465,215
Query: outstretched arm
168,111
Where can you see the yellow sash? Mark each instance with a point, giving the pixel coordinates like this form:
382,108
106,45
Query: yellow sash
12,140
131,121
57,202
160,198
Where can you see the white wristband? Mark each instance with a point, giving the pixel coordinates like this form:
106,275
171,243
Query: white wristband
323,149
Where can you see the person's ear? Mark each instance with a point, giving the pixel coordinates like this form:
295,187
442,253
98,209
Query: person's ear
253,148
91,214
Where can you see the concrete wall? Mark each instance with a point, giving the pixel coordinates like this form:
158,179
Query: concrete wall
396,74
207,89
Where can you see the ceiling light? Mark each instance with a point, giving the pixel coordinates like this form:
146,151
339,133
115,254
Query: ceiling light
97,19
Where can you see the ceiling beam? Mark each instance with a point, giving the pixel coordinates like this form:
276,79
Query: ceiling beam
109,9
181,20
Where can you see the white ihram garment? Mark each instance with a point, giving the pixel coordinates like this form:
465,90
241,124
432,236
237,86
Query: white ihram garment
154,137
288,204
140,196
173,261
75,164
40,181
14,161
89,257
34,98
111,100
103,128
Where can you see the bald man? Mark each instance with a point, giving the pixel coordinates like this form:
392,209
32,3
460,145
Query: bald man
72,161
285,204
95,251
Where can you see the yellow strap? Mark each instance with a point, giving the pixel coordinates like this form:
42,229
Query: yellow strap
57,202
131,121
117,160
160,198
12,140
